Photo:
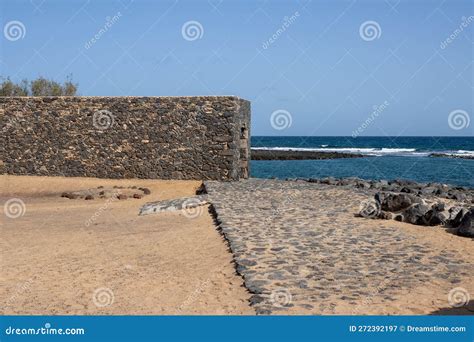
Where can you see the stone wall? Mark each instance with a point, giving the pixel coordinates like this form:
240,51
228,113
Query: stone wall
203,137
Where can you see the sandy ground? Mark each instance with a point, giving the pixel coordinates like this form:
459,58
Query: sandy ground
76,256
72,256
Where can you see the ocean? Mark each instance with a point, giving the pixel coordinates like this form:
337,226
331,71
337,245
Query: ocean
386,158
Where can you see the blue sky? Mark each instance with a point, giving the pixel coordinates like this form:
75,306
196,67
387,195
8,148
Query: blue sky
322,70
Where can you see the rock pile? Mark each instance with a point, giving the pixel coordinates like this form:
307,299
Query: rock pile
427,204
416,210
458,193
117,192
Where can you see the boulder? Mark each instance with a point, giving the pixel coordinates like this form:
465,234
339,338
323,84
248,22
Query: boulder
363,185
466,227
439,206
456,214
408,190
385,215
146,191
69,195
185,203
429,190
404,182
396,202
349,181
329,181
415,214
380,196
434,217
458,196
370,209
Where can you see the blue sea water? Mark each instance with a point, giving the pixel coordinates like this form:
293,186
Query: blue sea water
386,158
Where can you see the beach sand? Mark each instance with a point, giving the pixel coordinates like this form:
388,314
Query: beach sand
299,243
121,264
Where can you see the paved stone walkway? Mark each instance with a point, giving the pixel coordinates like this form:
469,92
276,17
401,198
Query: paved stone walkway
301,250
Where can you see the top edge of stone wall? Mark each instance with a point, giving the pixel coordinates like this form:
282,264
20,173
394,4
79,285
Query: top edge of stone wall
124,97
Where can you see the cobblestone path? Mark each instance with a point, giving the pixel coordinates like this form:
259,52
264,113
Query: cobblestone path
301,250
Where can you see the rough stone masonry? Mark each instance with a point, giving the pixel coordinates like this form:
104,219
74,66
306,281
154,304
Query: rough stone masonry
201,137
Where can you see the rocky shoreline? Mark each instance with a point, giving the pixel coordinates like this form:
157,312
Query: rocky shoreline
458,193
299,155
426,204
417,210
446,155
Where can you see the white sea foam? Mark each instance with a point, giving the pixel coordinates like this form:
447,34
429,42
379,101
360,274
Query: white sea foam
362,150
369,151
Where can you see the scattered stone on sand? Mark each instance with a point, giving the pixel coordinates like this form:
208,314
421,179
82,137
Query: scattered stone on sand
186,203
69,195
101,192
146,191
